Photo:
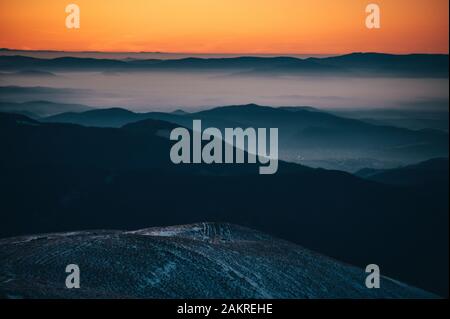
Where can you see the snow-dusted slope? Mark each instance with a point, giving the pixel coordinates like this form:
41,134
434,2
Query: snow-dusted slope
202,260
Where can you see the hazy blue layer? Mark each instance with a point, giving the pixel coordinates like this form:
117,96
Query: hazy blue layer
166,91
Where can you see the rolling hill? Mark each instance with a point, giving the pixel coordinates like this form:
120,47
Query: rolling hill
306,135
38,109
66,177
203,260
433,171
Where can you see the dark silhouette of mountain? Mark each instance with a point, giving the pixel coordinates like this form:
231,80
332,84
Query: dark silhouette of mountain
309,134
250,114
431,113
88,147
151,127
34,73
66,63
41,108
117,117
410,64
29,73
357,64
314,135
64,177
441,124
299,108
433,171
426,114
142,145
224,261
111,117
22,94
180,112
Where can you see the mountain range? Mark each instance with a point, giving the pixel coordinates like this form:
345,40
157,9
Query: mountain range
65,177
433,171
362,184
38,109
306,135
355,64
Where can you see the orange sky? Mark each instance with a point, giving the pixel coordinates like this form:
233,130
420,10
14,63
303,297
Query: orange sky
227,26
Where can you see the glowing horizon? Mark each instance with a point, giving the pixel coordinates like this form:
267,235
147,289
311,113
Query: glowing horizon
227,27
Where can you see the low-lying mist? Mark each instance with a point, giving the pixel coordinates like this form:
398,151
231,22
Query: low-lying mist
167,91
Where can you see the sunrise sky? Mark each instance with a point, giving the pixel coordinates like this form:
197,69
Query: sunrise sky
226,26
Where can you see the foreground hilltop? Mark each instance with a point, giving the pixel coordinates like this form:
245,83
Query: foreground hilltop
203,260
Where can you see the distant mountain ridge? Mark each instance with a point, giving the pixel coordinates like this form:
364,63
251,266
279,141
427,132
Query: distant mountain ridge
355,64
433,171
305,134
28,73
37,109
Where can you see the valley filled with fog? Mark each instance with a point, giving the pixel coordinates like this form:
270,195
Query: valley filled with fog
196,90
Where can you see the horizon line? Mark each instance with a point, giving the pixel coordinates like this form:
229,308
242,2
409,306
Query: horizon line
220,53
